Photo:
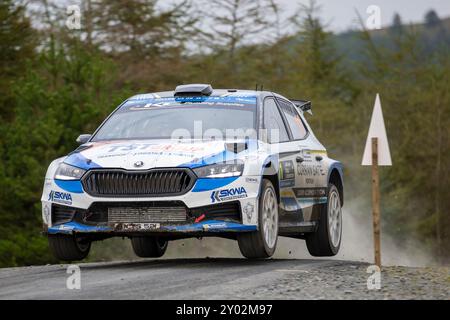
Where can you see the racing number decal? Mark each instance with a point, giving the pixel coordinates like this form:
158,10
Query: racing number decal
287,174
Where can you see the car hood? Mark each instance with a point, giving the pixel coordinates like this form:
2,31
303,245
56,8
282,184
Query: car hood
146,154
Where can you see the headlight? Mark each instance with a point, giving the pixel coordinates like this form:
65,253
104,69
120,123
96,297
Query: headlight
68,172
221,170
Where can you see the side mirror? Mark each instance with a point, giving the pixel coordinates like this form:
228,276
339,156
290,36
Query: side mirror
83,138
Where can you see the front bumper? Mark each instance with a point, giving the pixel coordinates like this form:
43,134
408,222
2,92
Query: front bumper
206,193
208,227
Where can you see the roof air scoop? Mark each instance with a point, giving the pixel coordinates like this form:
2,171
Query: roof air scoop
192,90
236,147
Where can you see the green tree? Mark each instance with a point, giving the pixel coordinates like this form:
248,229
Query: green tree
17,45
397,25
235,21
139,27
49,113
432,19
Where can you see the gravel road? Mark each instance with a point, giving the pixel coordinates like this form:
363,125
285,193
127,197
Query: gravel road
221,278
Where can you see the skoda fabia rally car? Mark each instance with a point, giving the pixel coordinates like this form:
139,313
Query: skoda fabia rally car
196,162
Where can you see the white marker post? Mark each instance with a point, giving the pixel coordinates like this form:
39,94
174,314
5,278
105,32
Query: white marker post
376,153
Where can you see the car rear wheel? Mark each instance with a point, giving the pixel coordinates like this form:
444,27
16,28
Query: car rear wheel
326,241
69,247
149,247
262,243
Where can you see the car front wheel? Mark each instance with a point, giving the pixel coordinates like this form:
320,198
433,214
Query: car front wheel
149,247
69,247
262,243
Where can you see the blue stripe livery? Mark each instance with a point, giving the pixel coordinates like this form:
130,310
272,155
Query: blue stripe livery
213,159
73,186
207,184
70,227
80,161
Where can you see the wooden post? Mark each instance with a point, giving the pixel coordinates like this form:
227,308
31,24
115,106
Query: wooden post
376,202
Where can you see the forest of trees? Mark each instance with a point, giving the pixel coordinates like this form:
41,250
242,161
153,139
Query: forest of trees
56,83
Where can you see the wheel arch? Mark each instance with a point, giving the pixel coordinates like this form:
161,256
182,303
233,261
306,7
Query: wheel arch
335,176
270,172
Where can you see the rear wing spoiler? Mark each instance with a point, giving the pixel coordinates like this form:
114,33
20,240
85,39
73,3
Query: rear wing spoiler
303,105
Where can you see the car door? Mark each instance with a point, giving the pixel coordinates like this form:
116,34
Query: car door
307,171
288,153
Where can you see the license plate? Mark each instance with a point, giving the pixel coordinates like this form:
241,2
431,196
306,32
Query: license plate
137,226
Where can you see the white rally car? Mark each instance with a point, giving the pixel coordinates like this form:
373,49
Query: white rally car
196,162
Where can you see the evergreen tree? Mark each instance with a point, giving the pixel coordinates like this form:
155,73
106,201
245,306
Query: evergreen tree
17,45
138,26
235,22
397,25
432,19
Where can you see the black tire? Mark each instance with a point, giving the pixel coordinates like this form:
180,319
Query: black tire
320,243
149,247
253,245
69,247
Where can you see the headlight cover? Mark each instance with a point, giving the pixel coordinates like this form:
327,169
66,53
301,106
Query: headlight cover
221,170
68,172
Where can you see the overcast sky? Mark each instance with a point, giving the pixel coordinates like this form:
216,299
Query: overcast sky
340,14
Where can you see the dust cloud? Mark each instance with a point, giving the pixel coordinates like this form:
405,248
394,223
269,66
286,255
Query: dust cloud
358,241
357,245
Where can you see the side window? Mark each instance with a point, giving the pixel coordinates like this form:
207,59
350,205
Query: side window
296,125
273,122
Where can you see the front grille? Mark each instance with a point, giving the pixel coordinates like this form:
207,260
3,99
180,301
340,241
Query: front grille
62,214
122,183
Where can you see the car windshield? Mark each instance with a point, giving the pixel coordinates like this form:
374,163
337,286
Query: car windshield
181,118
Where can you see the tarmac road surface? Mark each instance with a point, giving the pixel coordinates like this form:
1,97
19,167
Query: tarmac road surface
224,278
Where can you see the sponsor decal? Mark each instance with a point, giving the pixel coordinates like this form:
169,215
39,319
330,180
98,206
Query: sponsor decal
306,154
149,149
287,174
310,170
248,210
136,226
251,180
164,148
214,226
46,211
60,197
320,152
310,192
143,103
65,227
228,194
287,170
